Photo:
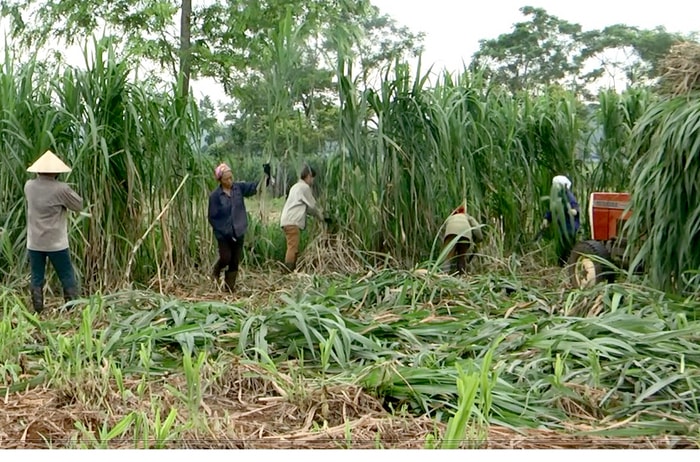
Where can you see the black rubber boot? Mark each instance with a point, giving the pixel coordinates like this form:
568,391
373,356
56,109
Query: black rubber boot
461,265
37,299
462,249
290,266
70,294
230,279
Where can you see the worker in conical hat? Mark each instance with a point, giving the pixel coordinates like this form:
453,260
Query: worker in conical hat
48,201
466,230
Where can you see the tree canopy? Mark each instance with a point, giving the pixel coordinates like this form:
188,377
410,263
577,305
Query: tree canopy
546,49
275,58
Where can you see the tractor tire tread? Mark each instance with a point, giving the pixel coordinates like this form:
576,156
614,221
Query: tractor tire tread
604,273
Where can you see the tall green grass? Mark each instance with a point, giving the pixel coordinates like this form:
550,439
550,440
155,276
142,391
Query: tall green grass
665,223
615,118
411,153
131,147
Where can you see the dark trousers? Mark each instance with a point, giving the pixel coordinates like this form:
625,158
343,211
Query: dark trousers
566,244
230,253
460,254
60,260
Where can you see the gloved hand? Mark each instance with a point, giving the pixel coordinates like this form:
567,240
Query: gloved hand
268,173
573,212
545,223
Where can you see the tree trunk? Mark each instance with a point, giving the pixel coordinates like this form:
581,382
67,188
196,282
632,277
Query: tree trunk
185,56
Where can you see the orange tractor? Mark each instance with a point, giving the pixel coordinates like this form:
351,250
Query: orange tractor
590,261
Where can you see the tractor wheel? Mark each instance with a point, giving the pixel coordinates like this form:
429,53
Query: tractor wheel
586,271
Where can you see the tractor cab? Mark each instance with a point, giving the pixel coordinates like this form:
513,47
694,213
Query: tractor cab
608,213
590,260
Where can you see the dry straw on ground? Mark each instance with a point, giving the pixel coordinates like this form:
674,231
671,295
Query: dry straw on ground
330,253
244,410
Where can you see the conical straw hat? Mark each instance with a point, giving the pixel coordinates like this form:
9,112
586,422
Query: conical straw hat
49,163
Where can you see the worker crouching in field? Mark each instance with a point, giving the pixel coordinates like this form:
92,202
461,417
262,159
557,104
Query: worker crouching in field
463,227
300,202
48,201
564,212
229,221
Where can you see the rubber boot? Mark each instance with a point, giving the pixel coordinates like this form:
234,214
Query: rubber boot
461,264
446,267
461,252
37,299
230,279
70,294
290,266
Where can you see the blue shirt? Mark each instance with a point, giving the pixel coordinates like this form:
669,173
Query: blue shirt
227,214
574,205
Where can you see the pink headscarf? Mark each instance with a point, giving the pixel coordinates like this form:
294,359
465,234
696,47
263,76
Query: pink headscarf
220,170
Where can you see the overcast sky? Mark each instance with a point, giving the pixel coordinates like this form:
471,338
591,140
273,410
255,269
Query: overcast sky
454,27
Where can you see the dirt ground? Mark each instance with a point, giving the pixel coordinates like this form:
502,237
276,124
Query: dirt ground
243,411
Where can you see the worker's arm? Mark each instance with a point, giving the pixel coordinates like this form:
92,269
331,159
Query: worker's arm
573,203
213,208
477,235
547,219
312,208
248,188
71,200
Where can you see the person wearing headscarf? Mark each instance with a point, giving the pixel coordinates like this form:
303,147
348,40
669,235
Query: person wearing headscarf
568,222
229,221
48,201
466,230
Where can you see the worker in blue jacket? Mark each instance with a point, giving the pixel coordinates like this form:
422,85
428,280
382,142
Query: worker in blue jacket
569,222
229,221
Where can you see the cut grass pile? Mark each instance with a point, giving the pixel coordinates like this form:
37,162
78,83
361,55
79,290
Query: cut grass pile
383,359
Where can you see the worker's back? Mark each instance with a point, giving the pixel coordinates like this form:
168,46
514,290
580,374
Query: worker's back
295,208
462,224
47,204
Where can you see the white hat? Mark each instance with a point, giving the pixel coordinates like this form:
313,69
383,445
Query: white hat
49,163
561,180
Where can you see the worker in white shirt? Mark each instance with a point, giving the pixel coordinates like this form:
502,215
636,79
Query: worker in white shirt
300,202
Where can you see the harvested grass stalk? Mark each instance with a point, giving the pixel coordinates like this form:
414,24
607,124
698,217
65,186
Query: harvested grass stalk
397,339
263,419
330,253
681,69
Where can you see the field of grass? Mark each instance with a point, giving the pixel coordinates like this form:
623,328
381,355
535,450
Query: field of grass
368,344
383,357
